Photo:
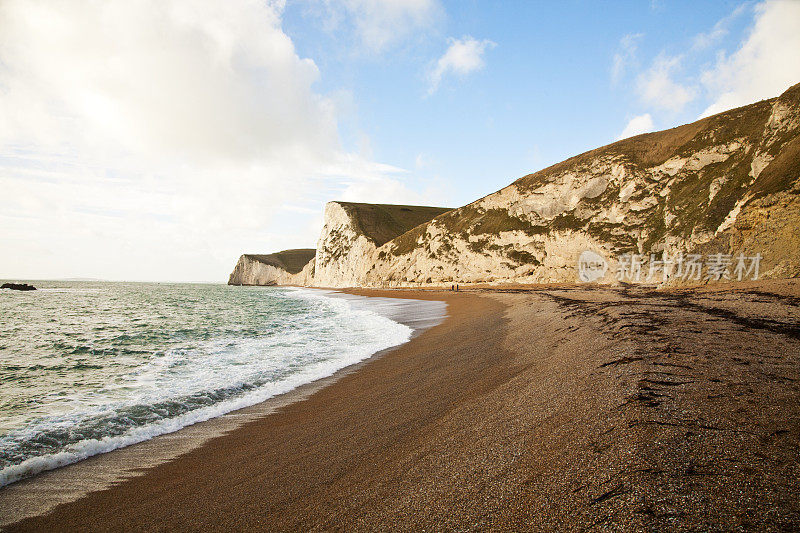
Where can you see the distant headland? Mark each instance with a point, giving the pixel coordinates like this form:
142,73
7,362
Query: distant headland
714,200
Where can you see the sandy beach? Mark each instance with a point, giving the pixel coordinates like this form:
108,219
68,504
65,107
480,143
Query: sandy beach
549,408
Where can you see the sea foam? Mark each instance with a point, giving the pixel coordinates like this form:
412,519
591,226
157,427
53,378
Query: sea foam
203,379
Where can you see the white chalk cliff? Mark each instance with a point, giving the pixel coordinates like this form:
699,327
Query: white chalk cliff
726,184
290,267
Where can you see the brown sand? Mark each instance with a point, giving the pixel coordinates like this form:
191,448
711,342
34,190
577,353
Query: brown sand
530,409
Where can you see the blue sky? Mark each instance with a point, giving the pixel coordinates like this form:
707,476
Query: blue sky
158,140
547,91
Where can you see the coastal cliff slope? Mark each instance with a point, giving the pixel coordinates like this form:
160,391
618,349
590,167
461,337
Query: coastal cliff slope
727,184
289,267
724,184
353,232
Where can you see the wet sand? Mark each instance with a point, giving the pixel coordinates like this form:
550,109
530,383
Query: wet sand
529,409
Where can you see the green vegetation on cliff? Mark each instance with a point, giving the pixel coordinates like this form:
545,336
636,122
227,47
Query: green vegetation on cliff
381,223
728,183
292,261
711,171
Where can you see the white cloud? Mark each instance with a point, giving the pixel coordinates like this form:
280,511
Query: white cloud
710,38
158,139
158,78
637,125
381,24
766,64
462,57
380,191
658,88
625,55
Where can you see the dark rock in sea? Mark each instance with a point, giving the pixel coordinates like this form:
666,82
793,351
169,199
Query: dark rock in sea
18,287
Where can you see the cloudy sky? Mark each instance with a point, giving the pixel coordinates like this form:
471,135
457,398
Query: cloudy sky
160,139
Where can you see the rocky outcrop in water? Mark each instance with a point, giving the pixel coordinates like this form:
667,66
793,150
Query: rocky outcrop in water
18,286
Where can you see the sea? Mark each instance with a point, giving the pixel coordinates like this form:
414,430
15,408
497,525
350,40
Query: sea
89,367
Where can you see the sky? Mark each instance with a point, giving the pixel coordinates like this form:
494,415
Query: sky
158,140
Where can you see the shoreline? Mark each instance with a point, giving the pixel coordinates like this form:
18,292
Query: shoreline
39,493
535,408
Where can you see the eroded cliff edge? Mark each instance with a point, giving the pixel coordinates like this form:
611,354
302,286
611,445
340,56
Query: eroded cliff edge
352,233
727,184
289,267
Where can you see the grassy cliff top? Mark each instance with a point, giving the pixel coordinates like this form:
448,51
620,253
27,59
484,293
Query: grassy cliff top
383,222
292,261
689,192
652,149
689,197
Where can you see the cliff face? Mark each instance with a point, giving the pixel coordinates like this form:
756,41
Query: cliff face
344,252
290,267
353,232
350,237
726,184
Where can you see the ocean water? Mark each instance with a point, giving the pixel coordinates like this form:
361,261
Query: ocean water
89,367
